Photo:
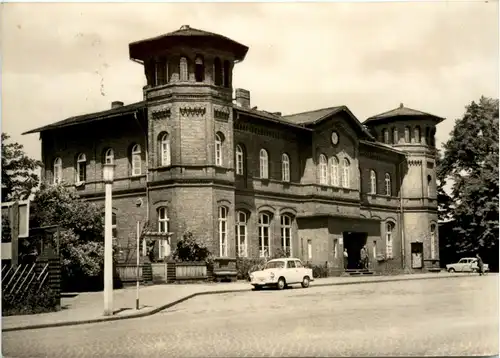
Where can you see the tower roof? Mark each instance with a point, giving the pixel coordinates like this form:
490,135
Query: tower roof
401,111
186,35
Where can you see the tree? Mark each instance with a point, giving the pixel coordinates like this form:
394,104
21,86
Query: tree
470,161
80,238
18,171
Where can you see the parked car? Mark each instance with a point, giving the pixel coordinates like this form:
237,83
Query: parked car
466,264
281,273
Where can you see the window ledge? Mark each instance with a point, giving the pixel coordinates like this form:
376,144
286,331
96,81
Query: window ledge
79,184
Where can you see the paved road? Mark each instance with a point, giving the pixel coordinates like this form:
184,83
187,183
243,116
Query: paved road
427,317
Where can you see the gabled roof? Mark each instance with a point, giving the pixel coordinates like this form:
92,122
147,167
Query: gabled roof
312,118
91,117
268,116
401,111
188,36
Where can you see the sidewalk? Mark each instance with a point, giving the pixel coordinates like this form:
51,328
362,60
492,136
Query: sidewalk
87,307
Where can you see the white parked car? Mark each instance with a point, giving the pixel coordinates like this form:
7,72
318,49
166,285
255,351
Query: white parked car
281,273
466,264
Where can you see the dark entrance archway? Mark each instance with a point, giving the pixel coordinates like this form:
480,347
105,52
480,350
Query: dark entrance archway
353,242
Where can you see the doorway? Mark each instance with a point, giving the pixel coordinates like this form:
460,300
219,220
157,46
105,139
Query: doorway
417,249
353,242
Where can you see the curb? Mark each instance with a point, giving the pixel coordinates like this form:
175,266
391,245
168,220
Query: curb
174,303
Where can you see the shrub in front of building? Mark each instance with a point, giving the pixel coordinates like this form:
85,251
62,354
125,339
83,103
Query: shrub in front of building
31,302
189,249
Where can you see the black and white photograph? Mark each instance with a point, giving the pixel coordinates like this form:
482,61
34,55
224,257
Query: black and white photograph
259,179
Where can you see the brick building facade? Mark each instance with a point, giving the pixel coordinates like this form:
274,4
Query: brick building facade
246,181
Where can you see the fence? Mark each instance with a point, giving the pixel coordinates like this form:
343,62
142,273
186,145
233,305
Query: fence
128,273
17,281
190,271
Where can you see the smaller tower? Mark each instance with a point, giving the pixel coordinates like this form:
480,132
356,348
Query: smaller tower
413,132
190,132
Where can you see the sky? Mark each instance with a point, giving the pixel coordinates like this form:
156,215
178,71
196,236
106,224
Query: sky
61,60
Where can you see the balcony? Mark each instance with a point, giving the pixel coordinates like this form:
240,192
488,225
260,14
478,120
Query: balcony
380,200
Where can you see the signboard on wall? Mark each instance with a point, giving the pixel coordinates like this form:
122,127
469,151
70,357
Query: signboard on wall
6,250
23,214
341,240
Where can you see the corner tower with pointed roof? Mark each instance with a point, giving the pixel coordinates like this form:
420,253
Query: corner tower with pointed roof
413,132
188,98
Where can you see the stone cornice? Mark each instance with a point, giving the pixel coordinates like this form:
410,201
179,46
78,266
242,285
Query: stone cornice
222,113
192,111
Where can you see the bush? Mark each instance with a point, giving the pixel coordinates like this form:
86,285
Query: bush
31,302
245,265
189,249
319,271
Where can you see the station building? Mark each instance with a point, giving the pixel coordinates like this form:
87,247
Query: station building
195,155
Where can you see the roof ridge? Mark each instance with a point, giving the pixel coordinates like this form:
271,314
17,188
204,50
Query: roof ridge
316,110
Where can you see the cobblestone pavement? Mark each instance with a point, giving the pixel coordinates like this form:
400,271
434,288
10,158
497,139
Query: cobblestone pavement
426,317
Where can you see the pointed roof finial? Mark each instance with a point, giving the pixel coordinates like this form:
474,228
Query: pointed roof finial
401,105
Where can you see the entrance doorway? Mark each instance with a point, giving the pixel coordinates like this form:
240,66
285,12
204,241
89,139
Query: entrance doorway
417,249
353,242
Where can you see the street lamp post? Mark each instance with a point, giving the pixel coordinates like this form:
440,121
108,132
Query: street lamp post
108,240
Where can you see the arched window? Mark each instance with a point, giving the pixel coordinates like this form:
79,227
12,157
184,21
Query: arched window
217,72
433,241
163,227
165,155
241,234
389,233
417,135
81,166
427,136
199,69
218,149
161,71
334,171
264,164
239,160
429,186
345,173
109,156
433,138
264,235
388,190
407,135
222,231
285,167
57,170
227,73
385,135
395,136
183,69
323,170
373,182
286,235
136,160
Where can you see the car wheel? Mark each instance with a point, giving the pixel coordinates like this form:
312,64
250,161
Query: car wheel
474,270
451,270
257,287
305,282
281,283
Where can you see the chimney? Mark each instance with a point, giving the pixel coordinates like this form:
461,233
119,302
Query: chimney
243,98
116,104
